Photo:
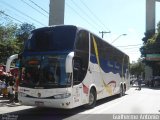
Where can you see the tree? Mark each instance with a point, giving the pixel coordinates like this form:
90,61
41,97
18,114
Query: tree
151,42
23,33
7,41
137,68
12,37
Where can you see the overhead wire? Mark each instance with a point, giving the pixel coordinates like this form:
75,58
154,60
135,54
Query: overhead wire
16,15
80,15
133,52
97,18
135,47
34,8
129,45
22,13
39,6
131,48
10,17
85,13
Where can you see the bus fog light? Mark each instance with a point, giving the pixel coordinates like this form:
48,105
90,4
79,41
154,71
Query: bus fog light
67,103
61,96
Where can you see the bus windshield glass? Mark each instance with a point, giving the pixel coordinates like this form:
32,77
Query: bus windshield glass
46,71
51,39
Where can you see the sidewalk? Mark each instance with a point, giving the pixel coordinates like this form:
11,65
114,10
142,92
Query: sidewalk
6,107
5,102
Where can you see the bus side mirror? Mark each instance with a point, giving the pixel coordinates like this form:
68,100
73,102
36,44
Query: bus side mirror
9,60
69,65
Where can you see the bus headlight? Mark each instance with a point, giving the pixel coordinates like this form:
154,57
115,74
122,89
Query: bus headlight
22,94
61,96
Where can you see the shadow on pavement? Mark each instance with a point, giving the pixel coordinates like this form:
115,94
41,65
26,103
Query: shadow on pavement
41,113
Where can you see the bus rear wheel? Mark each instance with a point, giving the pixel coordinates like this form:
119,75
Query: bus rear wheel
124,90
121,91
92,99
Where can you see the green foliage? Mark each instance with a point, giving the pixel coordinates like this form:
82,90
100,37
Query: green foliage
137,68
23,33
151,46
158,27
7,41
12,37
148,35
151,42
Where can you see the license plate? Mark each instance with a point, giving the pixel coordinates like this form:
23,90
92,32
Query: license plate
39,103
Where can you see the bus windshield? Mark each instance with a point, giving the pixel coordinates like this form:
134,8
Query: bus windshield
51,39
46,71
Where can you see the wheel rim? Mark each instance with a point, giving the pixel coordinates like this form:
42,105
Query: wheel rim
91,98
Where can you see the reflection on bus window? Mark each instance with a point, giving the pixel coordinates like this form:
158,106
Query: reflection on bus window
49,72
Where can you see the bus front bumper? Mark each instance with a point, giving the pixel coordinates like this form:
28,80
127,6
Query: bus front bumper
54,103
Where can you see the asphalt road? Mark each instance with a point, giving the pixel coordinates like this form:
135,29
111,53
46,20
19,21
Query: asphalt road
146,101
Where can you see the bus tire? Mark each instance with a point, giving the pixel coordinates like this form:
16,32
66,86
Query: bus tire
92,99
121,91
124,89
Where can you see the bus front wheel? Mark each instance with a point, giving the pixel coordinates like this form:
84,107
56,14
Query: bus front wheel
92,99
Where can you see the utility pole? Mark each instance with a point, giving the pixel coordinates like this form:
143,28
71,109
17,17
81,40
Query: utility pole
150,14
56,12
103,32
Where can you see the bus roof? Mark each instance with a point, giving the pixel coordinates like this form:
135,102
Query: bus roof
78,28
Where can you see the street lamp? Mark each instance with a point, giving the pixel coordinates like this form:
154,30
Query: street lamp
118,37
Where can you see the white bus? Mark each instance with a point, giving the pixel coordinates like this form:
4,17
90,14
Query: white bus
66,66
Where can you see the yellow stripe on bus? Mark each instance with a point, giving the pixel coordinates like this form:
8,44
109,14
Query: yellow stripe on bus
107,87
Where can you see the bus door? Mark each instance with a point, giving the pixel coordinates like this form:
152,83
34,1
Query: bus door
77,84
80,64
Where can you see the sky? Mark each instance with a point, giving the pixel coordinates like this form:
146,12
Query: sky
118,16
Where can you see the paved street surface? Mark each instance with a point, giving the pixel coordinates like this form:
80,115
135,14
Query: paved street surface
146,101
